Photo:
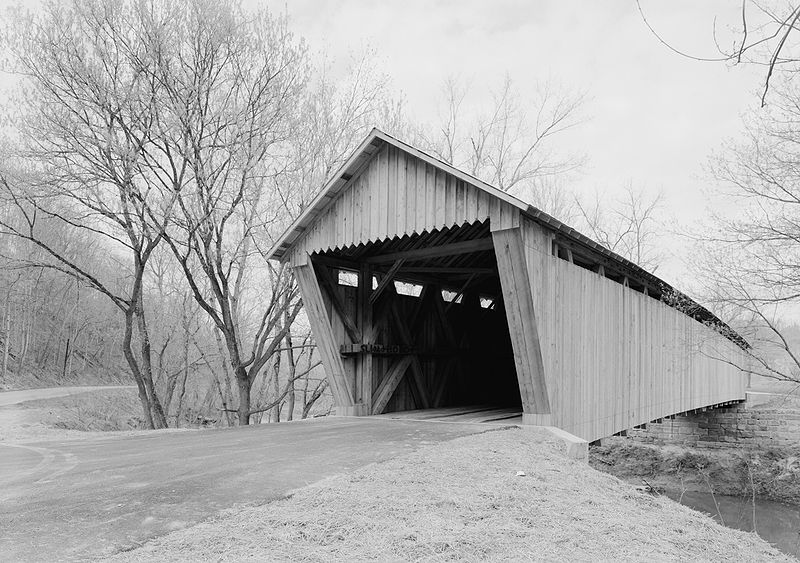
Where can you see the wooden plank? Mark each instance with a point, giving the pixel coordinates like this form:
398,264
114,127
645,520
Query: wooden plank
419,382
336,262
402,189
411,195
364,366
465,247
441,383
392,191
522,323
323,335
444,323
389,383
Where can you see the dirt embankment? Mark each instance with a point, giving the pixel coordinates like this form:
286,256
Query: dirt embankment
772,474
464,500
86,410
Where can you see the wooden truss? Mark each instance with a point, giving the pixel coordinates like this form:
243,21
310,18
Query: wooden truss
378,346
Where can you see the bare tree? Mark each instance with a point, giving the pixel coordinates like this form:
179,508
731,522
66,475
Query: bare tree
333,117
764,37
228,84
510,145
90,131
748,256
629,226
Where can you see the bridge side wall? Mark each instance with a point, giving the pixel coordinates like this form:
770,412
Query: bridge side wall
616,358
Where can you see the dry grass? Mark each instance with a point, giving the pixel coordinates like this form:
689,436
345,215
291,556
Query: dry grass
462,500
98,411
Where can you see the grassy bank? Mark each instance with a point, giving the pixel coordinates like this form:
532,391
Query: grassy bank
772,474
98,411
463,500
41,378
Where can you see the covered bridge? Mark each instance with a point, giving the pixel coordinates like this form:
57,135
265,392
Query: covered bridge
427,288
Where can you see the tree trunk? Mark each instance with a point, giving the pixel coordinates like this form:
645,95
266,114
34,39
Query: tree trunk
134,367
275,416
243,382
184,379
65,365
26,327
292,361
225,392
290,401
307,405
72,337
159,419
6,335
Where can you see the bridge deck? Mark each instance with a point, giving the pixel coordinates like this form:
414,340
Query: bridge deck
475,413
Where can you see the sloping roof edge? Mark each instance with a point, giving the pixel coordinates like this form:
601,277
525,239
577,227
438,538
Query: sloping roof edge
361,156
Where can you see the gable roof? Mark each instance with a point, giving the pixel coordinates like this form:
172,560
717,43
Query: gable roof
363,154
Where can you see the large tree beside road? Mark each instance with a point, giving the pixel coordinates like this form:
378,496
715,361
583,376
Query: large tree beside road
196,127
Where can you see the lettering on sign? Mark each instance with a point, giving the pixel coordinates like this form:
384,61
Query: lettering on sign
384,349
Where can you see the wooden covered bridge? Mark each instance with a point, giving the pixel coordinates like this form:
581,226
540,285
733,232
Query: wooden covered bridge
427,288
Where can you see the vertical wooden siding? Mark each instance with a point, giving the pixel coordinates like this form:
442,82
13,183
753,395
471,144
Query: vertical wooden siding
615,358
397,194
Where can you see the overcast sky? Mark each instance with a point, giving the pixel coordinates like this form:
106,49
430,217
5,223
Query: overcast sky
653,117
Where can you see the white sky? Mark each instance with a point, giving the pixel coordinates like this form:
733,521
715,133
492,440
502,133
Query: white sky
654,117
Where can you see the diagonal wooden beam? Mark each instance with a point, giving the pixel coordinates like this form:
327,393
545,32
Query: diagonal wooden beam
465,247
461,292
323,335
390,382
424,297
402,329
387,279
416,368
443,321
336,300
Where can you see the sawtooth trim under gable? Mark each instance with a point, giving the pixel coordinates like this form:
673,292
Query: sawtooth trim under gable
397,194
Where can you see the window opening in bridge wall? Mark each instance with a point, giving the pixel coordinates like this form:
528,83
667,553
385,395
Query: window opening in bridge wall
348,278
451,296
410,289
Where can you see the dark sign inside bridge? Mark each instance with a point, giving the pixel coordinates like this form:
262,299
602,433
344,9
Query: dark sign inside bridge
380,349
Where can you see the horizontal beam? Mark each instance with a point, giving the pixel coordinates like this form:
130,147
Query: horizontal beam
445,270
466,247
336,262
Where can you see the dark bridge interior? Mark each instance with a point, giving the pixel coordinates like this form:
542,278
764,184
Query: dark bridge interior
438,323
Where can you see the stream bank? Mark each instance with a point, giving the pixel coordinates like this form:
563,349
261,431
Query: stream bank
769,473
734,486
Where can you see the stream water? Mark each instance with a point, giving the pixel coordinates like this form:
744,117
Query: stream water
777,523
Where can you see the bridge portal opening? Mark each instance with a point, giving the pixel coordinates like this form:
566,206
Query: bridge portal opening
431,331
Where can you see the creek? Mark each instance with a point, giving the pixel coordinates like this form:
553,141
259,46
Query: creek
775,522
